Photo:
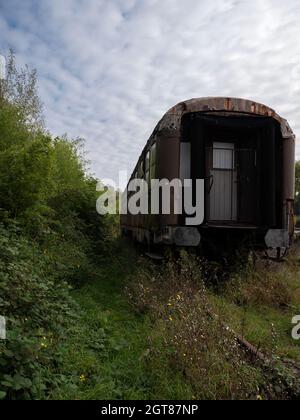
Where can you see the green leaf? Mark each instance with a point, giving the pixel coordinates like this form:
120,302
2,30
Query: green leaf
2,395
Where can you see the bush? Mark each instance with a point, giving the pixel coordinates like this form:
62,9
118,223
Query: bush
38,310
50,237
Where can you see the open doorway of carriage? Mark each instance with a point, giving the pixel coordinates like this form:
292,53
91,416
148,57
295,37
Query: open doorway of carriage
226,153
239,157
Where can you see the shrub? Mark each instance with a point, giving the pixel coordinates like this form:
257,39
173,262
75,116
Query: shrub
39,311
50,236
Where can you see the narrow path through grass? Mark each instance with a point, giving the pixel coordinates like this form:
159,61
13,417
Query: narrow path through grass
106,352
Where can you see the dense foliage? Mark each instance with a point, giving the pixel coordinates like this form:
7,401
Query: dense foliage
297,198
50,238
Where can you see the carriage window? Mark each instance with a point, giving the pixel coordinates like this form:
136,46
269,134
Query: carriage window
223,155
141,170
134,176
147,167
153,161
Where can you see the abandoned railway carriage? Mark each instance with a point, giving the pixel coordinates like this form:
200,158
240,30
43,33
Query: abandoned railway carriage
244,152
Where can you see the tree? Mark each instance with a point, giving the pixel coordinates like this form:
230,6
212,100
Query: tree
297,189
25,161
20,89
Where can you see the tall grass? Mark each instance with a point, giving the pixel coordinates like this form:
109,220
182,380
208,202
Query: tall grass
196,342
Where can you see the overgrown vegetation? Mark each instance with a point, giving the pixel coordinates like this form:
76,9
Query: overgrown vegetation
50,238
260,301
38,308
197,343
199,335
297,194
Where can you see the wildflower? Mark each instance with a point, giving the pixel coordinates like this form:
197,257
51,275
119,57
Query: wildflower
82,378
259,398
170,318
43,345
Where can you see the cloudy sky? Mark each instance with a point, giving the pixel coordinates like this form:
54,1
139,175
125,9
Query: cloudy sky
109,69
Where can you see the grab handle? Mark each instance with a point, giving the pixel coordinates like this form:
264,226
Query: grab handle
211,178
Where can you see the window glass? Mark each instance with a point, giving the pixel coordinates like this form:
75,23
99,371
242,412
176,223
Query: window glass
147,167
147,161
141,170
223,155
153,162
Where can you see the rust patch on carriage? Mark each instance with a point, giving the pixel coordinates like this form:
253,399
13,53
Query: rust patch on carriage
172,119
228,104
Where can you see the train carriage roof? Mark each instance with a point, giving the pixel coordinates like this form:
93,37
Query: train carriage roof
172,119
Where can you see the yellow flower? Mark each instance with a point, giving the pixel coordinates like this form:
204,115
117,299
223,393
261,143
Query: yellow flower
43,345
82,378
170,318
259,398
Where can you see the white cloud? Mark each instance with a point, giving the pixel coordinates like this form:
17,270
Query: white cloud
109,69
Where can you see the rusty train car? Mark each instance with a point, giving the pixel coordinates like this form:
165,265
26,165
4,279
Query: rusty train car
245,153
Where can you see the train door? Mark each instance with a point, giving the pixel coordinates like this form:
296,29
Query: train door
222,180
247,188
231,184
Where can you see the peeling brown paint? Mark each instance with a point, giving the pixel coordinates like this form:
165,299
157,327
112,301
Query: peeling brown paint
171,121
217,104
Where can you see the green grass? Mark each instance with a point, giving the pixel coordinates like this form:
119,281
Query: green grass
106,353
115,353
255,324
264,326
